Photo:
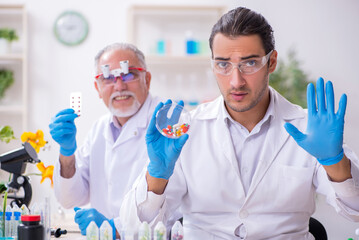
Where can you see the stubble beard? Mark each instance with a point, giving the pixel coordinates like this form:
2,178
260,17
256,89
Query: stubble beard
238,107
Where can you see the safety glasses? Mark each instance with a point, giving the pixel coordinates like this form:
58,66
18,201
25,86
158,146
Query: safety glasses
132,75
247,67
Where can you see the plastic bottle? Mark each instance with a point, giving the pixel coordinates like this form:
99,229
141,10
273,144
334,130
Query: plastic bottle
106,231
1,225
15,221
144,233
30,228
45,218
191,44
92,232
161,46
35,209
24,210
8,215
160,232
177,231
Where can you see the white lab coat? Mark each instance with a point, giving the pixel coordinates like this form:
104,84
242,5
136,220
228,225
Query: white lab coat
106,170
207,186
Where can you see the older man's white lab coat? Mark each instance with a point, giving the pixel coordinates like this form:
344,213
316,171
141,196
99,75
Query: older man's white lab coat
207,186
106,169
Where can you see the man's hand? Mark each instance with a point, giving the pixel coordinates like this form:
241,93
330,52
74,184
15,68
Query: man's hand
83,217
63,131
162,151
324,134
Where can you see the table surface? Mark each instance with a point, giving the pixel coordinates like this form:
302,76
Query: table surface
67,222
71,236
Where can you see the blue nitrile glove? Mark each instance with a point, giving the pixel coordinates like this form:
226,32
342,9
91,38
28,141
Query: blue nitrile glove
324,134
162,151
83,217
63,131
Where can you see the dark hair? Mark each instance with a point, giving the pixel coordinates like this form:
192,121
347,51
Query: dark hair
243,21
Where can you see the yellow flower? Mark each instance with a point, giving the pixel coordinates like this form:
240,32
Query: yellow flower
35,139
46,172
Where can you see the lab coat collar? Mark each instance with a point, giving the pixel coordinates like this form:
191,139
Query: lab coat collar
268,115
284,109
281,112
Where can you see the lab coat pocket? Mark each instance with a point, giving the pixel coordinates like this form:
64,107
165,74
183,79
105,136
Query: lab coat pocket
288,188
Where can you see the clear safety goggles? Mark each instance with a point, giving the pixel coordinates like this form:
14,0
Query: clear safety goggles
132,75
247,67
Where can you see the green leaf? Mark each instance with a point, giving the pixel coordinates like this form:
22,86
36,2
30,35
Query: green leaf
290,80
6,134
6,80
3,188
8,34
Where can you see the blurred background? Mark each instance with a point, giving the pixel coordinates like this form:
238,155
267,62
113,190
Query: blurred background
315,38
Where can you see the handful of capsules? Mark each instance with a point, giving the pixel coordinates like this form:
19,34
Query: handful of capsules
173,120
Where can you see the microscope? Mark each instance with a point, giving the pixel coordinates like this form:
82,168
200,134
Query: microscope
15,162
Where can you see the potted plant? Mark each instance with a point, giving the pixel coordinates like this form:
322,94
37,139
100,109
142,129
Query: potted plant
7,36
290,80
6,80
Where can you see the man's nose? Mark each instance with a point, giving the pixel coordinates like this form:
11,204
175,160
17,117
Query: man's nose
119,84
236,78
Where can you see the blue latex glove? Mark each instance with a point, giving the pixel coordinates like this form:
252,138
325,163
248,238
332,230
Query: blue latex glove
83,217
63,131
324,134
162,151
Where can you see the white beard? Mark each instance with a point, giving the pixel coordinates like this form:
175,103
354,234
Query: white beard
130,111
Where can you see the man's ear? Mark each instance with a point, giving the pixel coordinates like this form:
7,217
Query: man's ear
98,89
148,80
273,61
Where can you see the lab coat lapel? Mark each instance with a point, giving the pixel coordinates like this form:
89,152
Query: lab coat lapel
276,136
279,136
108,133
224,140
127,134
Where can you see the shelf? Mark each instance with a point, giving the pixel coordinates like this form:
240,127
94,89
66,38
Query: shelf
189,59
11,57
171,11
11,109
13,106
163,34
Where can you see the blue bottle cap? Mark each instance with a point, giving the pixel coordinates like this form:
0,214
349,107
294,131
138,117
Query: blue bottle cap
17,216
8,215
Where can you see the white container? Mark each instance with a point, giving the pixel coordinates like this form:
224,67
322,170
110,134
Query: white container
160,232
5,46
144,232
92,232
106,231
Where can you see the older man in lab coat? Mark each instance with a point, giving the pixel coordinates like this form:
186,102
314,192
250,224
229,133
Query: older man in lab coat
104,168
246,172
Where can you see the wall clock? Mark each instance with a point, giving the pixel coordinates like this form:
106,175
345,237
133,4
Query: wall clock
71,28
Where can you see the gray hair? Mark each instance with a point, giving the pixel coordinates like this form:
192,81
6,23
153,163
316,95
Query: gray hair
122,46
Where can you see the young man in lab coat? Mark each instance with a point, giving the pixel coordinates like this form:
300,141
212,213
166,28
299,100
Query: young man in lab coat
104,168
246,172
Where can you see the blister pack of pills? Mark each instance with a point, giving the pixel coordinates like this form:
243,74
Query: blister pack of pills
75,102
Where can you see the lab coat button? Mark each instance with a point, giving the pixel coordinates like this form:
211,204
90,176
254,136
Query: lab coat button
243,214
241,231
